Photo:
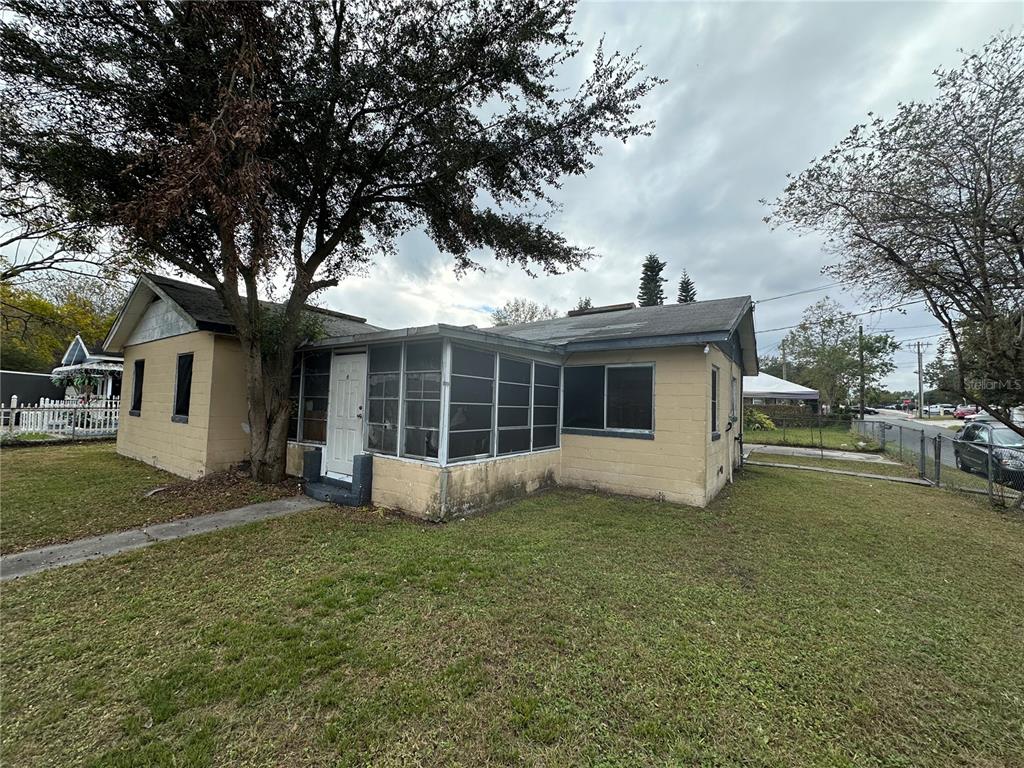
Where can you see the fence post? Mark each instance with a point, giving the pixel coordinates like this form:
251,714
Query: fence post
74,422
991,495
901,441
921,460
14,408
938,460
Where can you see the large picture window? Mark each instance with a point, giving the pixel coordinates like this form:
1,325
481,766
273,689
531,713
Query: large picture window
422,400
609,397
471,412
383,379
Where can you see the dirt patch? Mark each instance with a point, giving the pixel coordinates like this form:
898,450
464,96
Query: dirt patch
220,491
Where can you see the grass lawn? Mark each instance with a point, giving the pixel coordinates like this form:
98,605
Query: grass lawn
872,467
834,436
803,619
56,493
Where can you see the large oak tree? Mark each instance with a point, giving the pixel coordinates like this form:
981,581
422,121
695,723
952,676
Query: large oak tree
930,203
290,142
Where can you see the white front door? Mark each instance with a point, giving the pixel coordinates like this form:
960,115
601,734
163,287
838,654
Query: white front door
345,414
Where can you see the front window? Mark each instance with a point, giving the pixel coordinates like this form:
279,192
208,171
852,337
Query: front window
610,397
384,371
714,399
422,399
470,419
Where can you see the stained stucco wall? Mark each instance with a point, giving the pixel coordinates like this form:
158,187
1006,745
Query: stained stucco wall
410,486
672,465
152,436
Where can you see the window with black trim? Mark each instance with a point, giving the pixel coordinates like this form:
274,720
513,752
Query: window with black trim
714,400
609,397
471,409
183,387
513,405
384,372
546,379
138,376
422,399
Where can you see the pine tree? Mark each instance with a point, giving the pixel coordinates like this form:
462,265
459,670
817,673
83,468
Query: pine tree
687,290
651,294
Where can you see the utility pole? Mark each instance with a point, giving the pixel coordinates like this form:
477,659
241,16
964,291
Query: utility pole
920,383
860,347
782,346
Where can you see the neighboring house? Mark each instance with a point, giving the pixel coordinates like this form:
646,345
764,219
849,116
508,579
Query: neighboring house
29,388
765,389
96,374
645,402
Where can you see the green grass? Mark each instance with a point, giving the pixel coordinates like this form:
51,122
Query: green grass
56,493
834,436
803,619
872,467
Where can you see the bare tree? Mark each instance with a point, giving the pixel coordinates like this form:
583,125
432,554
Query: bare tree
515,311
929,205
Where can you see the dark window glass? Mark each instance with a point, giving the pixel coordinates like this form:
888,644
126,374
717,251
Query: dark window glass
423,357
383,384
513,371
465,444
714,399
314,419
545,374
466,390
385,359
472,362
545,416
183,386
513,440
294,390
470,417
584,397
545,437
513,394
513,417
423,386
316,384
382,438
630,397
545,395
421,442
138,375
319,363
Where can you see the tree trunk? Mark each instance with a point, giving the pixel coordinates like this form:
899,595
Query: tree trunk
267,384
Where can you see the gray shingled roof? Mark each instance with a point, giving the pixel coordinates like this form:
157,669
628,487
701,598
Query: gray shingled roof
205,307
699,317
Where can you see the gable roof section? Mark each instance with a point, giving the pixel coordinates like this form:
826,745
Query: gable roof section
77,353
203,310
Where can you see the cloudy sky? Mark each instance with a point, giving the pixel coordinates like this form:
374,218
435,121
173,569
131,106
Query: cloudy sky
756,89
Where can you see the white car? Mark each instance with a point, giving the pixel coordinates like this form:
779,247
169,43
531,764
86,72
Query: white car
942,409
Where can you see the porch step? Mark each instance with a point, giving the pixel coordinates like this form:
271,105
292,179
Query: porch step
333,492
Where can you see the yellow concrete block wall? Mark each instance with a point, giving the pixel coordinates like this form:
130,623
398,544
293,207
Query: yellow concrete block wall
466,488
723,454
227,439
672,465
152,436
410,486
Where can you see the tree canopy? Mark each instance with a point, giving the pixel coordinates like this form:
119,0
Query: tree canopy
651,281
929,205
290,142
515,311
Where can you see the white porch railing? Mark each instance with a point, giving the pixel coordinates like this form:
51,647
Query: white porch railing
71,418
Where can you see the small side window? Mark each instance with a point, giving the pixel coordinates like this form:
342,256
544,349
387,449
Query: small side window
714,401
183,388
138,375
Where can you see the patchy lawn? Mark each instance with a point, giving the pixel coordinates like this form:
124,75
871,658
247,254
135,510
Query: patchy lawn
834,436
57,493
803,619
872,467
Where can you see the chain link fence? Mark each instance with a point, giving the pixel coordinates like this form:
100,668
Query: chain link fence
812,431
946,461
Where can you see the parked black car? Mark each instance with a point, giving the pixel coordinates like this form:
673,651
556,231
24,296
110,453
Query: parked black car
971,448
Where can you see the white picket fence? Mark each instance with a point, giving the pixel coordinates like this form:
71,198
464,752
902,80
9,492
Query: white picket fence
71,418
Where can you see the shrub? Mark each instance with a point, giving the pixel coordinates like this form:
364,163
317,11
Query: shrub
755,420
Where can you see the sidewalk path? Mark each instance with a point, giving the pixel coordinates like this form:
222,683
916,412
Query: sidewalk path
786,450
31,561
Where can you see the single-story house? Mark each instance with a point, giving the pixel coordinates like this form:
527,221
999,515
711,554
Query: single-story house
765,389
96,374
443,419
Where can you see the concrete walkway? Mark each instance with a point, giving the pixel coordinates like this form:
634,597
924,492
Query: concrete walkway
31,561
827,453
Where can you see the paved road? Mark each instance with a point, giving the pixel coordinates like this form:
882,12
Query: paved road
911,431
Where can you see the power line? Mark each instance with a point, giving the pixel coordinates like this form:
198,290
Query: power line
798,293
855,314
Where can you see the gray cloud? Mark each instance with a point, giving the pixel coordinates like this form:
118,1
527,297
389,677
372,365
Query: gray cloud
755,91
